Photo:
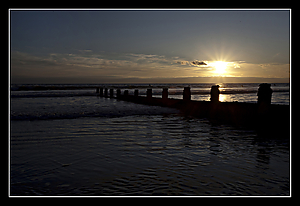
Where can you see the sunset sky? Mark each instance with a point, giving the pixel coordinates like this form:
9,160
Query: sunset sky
149,46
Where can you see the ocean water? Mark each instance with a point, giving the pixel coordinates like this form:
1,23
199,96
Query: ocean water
229,92
65,140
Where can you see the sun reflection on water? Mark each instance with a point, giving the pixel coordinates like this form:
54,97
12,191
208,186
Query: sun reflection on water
224,98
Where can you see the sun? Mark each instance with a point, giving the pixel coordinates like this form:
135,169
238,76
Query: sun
220,67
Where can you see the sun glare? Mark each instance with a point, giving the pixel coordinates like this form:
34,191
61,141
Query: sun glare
220,67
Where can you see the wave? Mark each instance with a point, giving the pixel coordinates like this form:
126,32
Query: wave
44,95
108,110
52,116
43,87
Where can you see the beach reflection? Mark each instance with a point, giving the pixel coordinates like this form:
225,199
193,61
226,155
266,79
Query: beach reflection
144,155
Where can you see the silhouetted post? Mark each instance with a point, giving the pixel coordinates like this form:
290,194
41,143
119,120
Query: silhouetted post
165,94
105,92
264,94
136,93
187,93
111,93
97,90
126,93
264,102
101,92
214,94
118,93
149,93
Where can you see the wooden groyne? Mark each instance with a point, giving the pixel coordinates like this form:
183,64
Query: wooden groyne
266,118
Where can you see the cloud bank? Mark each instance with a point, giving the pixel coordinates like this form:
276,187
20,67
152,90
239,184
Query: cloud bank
89,67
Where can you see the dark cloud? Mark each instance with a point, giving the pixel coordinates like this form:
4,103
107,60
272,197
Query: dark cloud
194,63
198,63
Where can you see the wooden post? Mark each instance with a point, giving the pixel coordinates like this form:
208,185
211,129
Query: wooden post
165,94
149,93
187,93
264,98
214,94
111,93
264,117
101,92
118,93
126,93
264,94
136,93
105,92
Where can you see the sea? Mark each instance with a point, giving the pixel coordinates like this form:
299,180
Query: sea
65,140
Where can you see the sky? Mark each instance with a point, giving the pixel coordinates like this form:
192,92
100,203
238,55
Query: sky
149,46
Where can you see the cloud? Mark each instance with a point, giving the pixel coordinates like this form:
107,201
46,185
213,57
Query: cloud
86,58
90,65
183,62
192,63
143,58
198,63
85,51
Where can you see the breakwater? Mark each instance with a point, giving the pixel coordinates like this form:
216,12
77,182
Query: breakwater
269,120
